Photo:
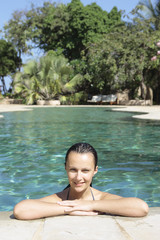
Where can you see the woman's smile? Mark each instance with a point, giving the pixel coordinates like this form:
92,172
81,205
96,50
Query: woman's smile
79,184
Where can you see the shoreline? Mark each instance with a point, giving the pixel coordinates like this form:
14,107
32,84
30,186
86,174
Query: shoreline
146,112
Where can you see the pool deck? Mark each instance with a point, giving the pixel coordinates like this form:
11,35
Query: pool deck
146,112
82,227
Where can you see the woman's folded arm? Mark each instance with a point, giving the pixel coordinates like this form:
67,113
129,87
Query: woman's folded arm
130,207
35,209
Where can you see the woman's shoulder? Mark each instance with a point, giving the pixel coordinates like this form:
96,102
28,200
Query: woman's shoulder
60,196
99,195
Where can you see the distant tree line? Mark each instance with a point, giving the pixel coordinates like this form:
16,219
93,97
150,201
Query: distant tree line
86,51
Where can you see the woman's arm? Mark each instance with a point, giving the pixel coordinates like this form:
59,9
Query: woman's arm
130,207
35,209
53,206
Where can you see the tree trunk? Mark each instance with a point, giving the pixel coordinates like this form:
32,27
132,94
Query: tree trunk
20,54
3,85
158,93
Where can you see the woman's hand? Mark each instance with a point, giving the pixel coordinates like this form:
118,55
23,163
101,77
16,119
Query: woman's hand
78,207
82,213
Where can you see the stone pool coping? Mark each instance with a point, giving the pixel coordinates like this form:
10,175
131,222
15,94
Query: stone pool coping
150,112
82,227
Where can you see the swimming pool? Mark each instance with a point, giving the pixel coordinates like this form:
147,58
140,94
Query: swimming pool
33,146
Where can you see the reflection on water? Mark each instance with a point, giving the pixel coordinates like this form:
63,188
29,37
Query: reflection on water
33,146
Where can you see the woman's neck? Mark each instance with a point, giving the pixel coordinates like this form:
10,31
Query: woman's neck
79,195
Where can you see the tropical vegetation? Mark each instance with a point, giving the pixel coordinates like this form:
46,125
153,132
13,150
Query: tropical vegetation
86,50
9,61
48,78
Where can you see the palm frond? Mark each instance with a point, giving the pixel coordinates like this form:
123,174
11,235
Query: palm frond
73,83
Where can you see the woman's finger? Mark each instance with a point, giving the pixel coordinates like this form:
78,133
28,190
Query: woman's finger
83,213
75,209
70,209
67,203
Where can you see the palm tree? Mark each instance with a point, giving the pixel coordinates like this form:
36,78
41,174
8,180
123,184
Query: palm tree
26,83
46,79
145,10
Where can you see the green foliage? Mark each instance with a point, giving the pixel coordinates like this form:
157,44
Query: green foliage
120,59
16,32
74,98
9,61
110,55
46,79
48,26
64,28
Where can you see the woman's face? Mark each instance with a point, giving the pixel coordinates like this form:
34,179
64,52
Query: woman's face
80,168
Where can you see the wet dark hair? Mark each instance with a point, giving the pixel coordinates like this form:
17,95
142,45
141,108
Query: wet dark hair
82,148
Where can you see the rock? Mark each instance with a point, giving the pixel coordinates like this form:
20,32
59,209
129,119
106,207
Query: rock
137,102
11,101
48,102
149,95
143,90
123,97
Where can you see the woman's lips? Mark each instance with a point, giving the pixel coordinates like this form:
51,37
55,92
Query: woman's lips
79,184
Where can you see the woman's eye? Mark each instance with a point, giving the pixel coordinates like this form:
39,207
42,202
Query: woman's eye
85,170
72,170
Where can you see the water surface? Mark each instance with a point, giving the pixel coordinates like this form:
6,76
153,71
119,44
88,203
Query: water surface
33,146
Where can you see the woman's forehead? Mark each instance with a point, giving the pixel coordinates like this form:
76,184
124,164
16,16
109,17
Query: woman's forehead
79,158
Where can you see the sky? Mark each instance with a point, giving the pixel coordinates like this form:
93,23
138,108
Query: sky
9,6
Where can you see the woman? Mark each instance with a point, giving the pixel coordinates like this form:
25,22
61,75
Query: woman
79,198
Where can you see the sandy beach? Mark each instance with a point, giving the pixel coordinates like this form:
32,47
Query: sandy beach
146,112
12,108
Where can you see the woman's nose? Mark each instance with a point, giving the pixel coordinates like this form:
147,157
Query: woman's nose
79,175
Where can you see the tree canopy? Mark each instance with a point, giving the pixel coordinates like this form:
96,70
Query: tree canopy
9,60
119,60
16,32
110,53
59,27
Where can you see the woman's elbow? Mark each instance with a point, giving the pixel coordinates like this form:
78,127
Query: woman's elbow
141,210
17,212
145,209
20,212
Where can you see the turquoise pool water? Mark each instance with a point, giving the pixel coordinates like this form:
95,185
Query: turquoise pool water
33,146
